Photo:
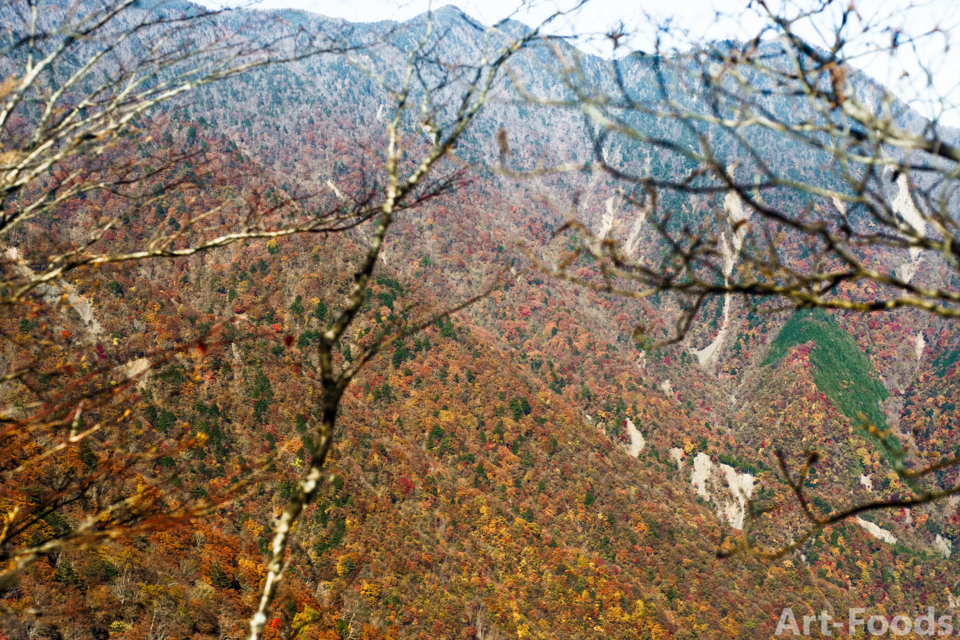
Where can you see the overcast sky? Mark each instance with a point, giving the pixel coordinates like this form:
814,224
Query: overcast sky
700,18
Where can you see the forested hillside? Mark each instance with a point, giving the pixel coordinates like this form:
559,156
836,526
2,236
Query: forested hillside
525,467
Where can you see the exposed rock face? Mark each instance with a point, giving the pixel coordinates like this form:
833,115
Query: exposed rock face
903,205
137,368
667,387
336,191
606,222
52,294
677,454
943,546
877,532
631,246
737,216
701,471
637,441
725,482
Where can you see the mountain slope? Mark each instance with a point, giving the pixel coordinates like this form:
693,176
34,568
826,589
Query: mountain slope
481,484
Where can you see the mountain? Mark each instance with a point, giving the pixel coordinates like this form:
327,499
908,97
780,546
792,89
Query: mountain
522,469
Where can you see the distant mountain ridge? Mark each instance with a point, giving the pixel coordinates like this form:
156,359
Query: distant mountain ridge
488,480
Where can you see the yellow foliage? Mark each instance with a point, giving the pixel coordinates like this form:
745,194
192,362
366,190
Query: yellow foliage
370,589
165,539
250,566
345,565
656,632
303,620
253,527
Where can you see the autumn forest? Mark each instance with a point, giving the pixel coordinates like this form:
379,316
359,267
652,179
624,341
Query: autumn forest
324,330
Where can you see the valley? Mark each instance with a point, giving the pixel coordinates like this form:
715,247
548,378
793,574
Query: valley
544,462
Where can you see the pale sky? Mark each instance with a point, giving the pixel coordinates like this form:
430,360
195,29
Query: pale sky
700,19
